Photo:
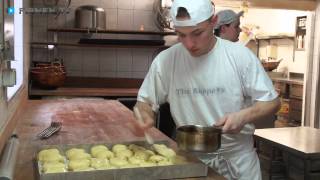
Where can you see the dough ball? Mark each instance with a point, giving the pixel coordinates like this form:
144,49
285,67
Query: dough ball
78,156
157,158
135,160
135,148
47,152
143,155
159,146
98,148
119,147
150,152
55,170
72,151
52,157
79,164
164,150
118,162
124,154
169,153
104,155
54,167
98,163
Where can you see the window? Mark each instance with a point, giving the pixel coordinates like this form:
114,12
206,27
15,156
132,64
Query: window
18,49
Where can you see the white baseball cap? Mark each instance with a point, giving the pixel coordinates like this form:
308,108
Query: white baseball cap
227,17
199,11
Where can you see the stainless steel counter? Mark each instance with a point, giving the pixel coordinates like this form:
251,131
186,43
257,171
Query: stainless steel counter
299,143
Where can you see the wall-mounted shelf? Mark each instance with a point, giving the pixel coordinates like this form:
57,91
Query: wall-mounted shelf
259,38
106,87
77,30
274,37
300,33
44,45
85,86
102,45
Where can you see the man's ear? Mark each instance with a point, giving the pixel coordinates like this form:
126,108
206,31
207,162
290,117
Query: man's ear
223,28
214,20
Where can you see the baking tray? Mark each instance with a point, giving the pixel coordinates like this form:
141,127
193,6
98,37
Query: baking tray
191,168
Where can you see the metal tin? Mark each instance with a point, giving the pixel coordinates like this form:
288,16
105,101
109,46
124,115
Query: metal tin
91,17
198,138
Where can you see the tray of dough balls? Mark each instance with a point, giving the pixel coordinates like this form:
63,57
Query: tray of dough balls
125,161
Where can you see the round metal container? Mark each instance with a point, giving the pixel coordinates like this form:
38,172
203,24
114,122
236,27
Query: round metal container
91,17
198,138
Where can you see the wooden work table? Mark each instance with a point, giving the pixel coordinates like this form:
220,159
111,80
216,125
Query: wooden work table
85,121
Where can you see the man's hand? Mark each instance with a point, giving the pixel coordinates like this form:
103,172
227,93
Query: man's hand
147,115
261,110
231,123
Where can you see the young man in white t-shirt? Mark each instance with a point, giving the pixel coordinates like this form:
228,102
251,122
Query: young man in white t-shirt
210,81
228,25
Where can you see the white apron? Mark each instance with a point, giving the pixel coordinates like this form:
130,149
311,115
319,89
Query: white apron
240,163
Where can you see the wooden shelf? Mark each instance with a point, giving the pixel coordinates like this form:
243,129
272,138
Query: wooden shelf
83,86
78,30
45,45
274,37
86,92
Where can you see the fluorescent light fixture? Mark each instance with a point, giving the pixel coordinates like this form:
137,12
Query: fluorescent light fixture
50,46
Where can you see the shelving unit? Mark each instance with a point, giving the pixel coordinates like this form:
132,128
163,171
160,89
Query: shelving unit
274,37
106,45
78,30
268,38
300,33
100,87
103,87
75,45
290,93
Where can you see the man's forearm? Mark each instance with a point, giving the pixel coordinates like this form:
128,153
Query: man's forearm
260,110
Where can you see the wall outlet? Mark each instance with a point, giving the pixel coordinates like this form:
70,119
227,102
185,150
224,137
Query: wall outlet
9,77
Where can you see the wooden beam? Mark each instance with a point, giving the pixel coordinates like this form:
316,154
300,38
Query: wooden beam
272,4
284,4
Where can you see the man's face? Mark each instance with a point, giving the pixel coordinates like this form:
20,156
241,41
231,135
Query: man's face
231,32
198,40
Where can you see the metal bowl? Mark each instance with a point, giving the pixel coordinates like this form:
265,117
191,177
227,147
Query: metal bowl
199,138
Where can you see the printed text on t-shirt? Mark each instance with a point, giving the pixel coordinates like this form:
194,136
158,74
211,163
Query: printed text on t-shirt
200,91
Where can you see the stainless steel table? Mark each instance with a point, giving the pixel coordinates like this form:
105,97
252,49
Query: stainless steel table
302,143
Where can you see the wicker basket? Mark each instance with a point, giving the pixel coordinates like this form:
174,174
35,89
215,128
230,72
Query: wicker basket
48,77
270,66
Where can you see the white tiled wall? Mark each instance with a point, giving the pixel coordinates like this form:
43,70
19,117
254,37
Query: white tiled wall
99,62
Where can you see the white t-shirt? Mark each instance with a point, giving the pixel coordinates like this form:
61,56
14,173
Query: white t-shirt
200,90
